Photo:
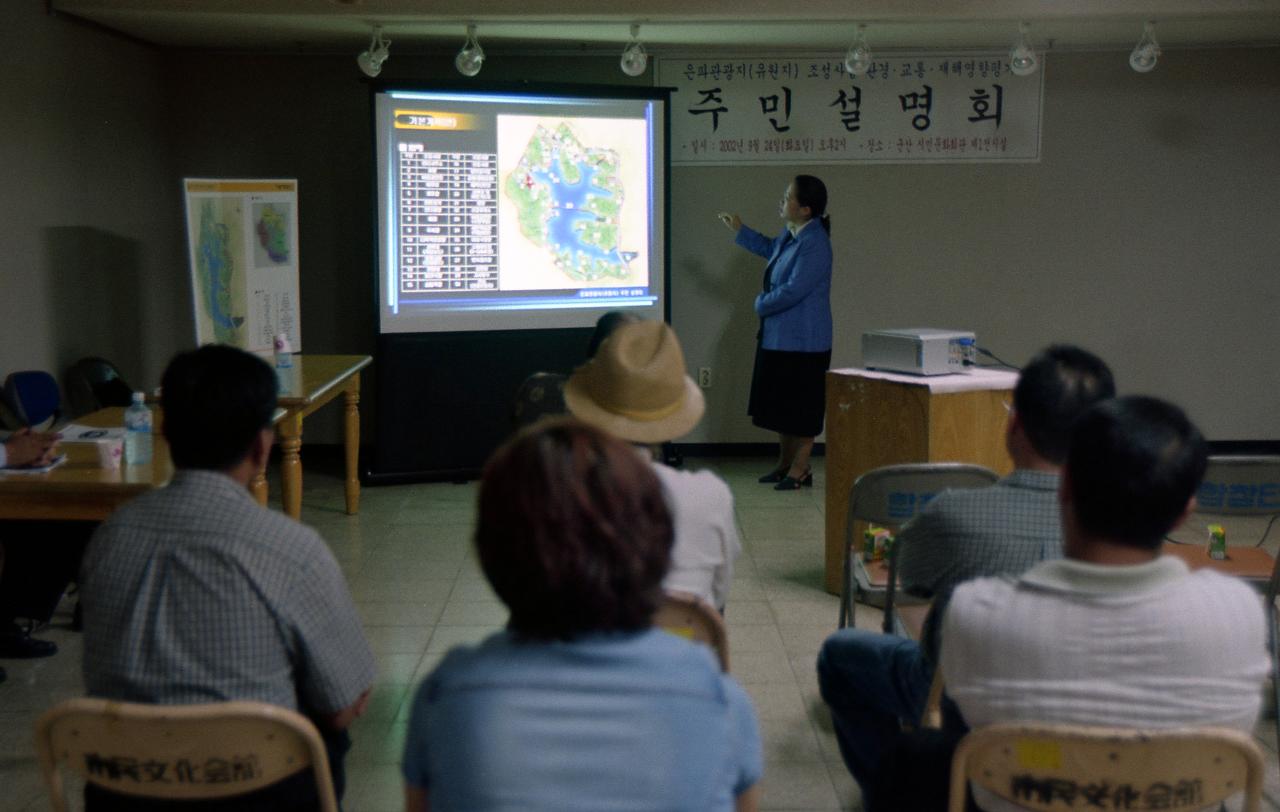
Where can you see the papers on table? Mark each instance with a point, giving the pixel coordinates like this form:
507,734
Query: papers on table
42,469
79,433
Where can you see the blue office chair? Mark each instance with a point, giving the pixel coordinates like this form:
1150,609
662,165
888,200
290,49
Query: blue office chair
32,396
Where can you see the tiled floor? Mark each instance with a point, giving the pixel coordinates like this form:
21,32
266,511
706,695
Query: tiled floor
420,591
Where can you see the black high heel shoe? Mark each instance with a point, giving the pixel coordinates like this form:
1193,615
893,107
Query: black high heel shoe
790,483
773,476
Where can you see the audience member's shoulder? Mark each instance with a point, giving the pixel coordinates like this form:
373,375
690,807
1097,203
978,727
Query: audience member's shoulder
654,658
1222,587
982,595
955,499
292,539
222,508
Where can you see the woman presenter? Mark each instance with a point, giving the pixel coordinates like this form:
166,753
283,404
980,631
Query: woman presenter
793,346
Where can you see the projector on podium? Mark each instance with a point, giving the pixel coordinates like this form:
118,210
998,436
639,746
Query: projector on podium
919,350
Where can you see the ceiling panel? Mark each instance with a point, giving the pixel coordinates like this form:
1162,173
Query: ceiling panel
670,26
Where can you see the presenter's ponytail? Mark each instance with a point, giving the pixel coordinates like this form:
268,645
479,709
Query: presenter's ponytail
812,193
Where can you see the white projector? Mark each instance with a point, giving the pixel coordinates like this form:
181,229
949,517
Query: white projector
919,350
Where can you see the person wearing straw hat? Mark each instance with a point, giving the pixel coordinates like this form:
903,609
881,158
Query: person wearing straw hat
636,388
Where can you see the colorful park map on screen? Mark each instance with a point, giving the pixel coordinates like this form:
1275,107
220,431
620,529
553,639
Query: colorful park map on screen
569,201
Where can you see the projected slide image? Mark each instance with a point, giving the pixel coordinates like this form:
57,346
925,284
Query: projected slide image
514,210
573,206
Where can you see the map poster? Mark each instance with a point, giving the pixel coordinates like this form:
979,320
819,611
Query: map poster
242,238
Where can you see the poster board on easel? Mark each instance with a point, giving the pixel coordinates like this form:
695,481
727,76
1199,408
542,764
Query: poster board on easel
242,243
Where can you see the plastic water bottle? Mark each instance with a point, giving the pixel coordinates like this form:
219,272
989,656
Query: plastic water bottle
137,432
284,361
284,353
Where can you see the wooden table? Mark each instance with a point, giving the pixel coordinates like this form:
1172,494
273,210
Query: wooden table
1250,563
883,418
313,381
78,489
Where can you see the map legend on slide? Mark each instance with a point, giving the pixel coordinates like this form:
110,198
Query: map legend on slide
449,216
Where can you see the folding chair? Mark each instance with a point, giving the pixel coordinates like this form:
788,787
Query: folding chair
179,752
891,496
692,618
1057,767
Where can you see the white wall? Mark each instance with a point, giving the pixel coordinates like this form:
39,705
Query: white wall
90,241
1147,233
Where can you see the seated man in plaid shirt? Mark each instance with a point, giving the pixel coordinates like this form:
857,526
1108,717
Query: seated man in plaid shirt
875,682
195,593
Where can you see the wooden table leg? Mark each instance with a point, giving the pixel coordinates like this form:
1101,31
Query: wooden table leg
290,428
352,443
259,487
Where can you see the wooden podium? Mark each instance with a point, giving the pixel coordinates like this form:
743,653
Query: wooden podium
883,418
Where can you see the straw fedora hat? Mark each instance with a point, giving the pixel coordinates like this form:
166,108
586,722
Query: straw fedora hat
636,387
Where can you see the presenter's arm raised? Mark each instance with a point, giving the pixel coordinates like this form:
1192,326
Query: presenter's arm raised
732,221
806,271
754,241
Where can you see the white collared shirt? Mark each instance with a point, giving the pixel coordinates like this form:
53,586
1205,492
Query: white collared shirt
1151,645
795,230
706,533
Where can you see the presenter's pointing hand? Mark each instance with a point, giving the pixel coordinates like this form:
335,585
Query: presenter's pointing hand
732,221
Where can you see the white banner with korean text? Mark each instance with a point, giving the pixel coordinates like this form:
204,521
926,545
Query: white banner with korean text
908,108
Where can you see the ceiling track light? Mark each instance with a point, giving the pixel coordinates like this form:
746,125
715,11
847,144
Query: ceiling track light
1147,52
634,59
858,58
1022,57
370,59
471,58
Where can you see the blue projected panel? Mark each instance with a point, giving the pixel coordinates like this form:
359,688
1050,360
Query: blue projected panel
506,211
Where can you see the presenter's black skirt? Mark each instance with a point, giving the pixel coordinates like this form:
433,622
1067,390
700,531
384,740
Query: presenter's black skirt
788,391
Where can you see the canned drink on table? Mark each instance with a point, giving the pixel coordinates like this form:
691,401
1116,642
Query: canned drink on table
1217,542
875,543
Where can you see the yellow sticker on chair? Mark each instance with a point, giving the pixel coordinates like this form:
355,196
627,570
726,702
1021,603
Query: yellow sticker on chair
1038,754
680,631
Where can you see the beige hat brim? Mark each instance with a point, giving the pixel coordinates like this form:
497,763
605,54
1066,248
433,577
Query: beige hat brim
672,426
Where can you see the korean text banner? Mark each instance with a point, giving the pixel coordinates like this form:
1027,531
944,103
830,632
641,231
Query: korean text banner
908,108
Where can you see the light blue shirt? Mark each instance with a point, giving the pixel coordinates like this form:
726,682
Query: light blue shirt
606,722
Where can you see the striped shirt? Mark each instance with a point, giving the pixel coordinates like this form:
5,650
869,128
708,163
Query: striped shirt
195,593
964,534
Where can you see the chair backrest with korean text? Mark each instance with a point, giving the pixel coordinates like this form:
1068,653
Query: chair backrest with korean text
891,495
1061,767
179,752
692,618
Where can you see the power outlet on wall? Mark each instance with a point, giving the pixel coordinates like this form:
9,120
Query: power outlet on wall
704,377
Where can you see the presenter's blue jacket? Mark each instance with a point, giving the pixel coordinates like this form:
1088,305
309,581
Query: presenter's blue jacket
795,308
